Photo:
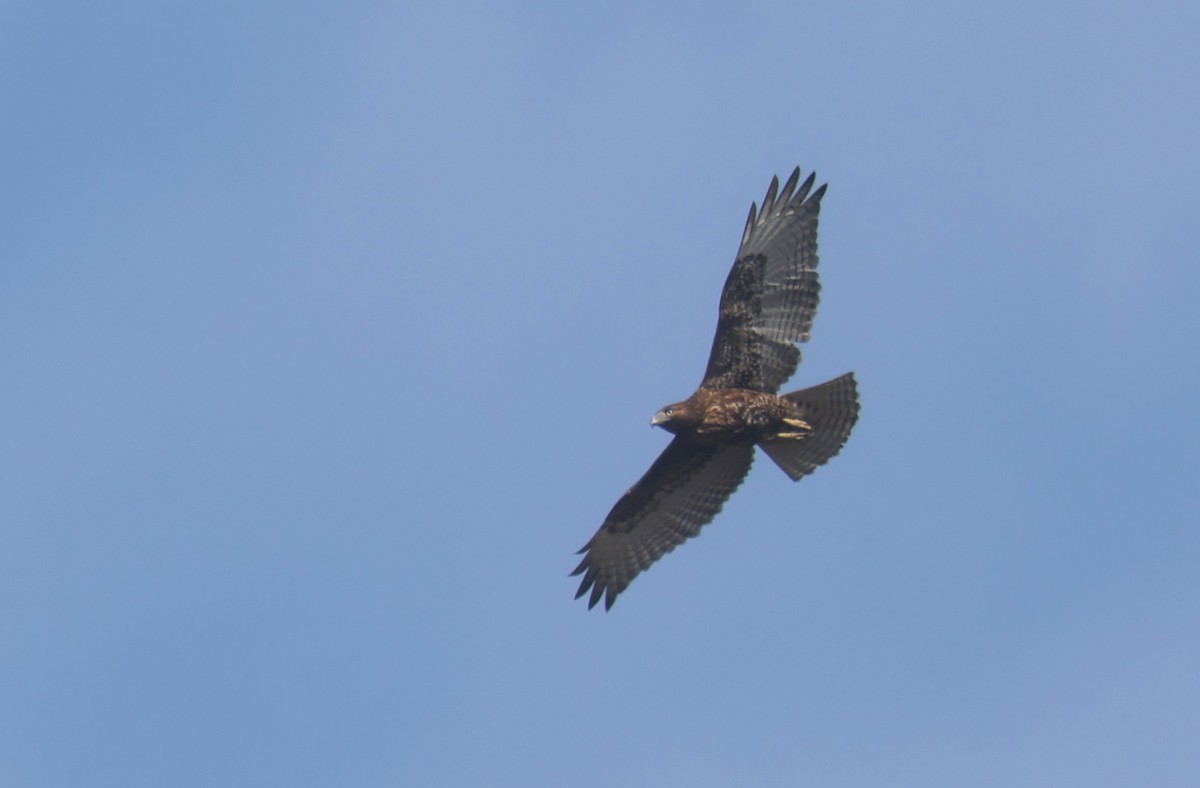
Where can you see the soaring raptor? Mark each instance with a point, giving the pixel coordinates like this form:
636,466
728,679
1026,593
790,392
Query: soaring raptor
767,305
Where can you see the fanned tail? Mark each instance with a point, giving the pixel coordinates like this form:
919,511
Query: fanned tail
831,409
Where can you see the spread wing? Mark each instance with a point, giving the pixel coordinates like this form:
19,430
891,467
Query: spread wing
771,294
681,493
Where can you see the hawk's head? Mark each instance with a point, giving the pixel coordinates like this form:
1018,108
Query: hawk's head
674,418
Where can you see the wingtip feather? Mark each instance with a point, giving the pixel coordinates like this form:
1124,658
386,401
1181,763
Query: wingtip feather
769,201
750,221
785,196
802,192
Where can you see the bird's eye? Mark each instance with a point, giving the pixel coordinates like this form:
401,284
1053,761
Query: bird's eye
670,411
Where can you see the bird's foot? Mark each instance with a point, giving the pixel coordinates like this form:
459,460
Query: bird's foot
802,430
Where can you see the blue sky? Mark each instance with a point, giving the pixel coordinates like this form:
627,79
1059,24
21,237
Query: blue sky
331,332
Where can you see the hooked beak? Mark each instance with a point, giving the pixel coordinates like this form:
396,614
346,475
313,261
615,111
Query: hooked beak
659,418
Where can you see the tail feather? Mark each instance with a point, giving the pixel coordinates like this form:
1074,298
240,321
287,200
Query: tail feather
831,409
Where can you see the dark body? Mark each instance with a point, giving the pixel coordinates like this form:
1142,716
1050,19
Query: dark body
767,305
728,416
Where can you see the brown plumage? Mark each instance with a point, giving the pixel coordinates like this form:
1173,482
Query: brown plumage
767,305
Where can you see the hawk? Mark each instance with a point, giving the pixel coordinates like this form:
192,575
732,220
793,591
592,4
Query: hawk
768,304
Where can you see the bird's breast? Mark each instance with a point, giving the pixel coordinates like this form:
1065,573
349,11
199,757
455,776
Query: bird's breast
737,415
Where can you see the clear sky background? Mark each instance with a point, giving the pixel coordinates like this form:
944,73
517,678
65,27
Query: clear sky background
329,332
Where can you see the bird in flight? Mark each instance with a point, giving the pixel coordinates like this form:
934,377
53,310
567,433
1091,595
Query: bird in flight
768,304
